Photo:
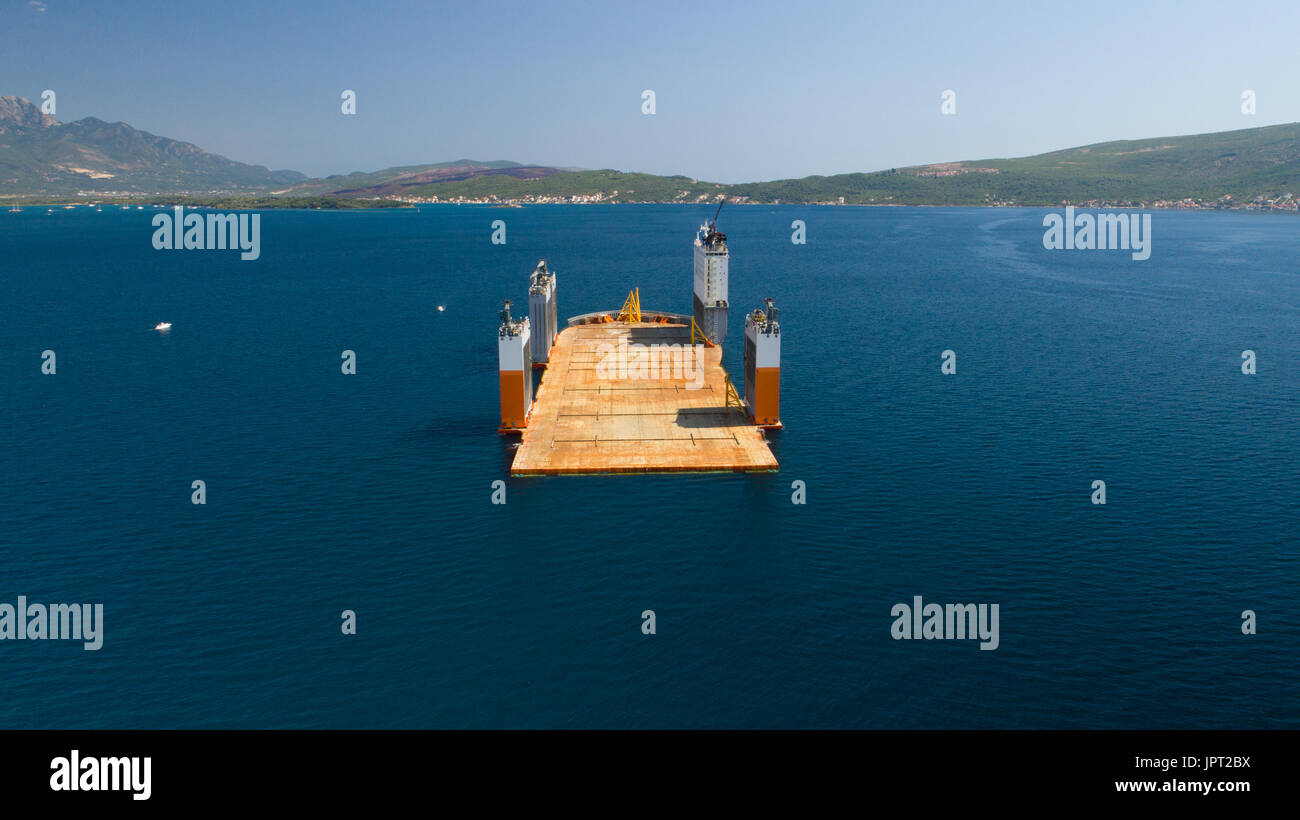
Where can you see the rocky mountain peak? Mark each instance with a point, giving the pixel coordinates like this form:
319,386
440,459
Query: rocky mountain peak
23,113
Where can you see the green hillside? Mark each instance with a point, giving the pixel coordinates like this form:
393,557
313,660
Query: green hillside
1216,170
630,187
363,179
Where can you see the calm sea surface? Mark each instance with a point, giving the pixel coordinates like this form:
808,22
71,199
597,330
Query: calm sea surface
372,492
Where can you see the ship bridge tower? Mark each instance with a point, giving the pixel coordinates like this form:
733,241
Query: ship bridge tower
711,258
515,372
542,313
763,366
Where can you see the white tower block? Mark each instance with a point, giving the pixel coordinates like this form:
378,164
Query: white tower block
515,371
711,259
763,367
542,313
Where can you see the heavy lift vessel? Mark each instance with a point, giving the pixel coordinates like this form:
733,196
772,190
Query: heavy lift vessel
638,391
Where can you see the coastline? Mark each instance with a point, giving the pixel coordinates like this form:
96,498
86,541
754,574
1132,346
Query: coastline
343,204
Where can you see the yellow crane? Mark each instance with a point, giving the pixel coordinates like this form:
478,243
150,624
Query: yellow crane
631,311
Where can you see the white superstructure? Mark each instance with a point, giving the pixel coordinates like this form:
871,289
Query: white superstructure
763,366
514,371
711,258
542,313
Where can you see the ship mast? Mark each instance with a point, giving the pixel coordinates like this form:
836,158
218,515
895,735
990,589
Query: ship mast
713,225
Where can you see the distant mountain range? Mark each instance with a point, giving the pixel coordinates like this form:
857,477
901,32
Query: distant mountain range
399,181
1253,167
40,156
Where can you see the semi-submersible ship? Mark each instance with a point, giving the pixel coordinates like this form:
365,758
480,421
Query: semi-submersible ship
639,391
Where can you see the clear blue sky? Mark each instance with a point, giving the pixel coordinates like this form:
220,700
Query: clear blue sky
745,91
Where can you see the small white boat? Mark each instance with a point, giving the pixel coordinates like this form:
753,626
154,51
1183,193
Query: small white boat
441,308
163,326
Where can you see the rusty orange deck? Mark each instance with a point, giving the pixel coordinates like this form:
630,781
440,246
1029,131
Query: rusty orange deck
588,421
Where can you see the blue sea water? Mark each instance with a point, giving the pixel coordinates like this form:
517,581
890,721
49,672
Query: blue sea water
372,492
